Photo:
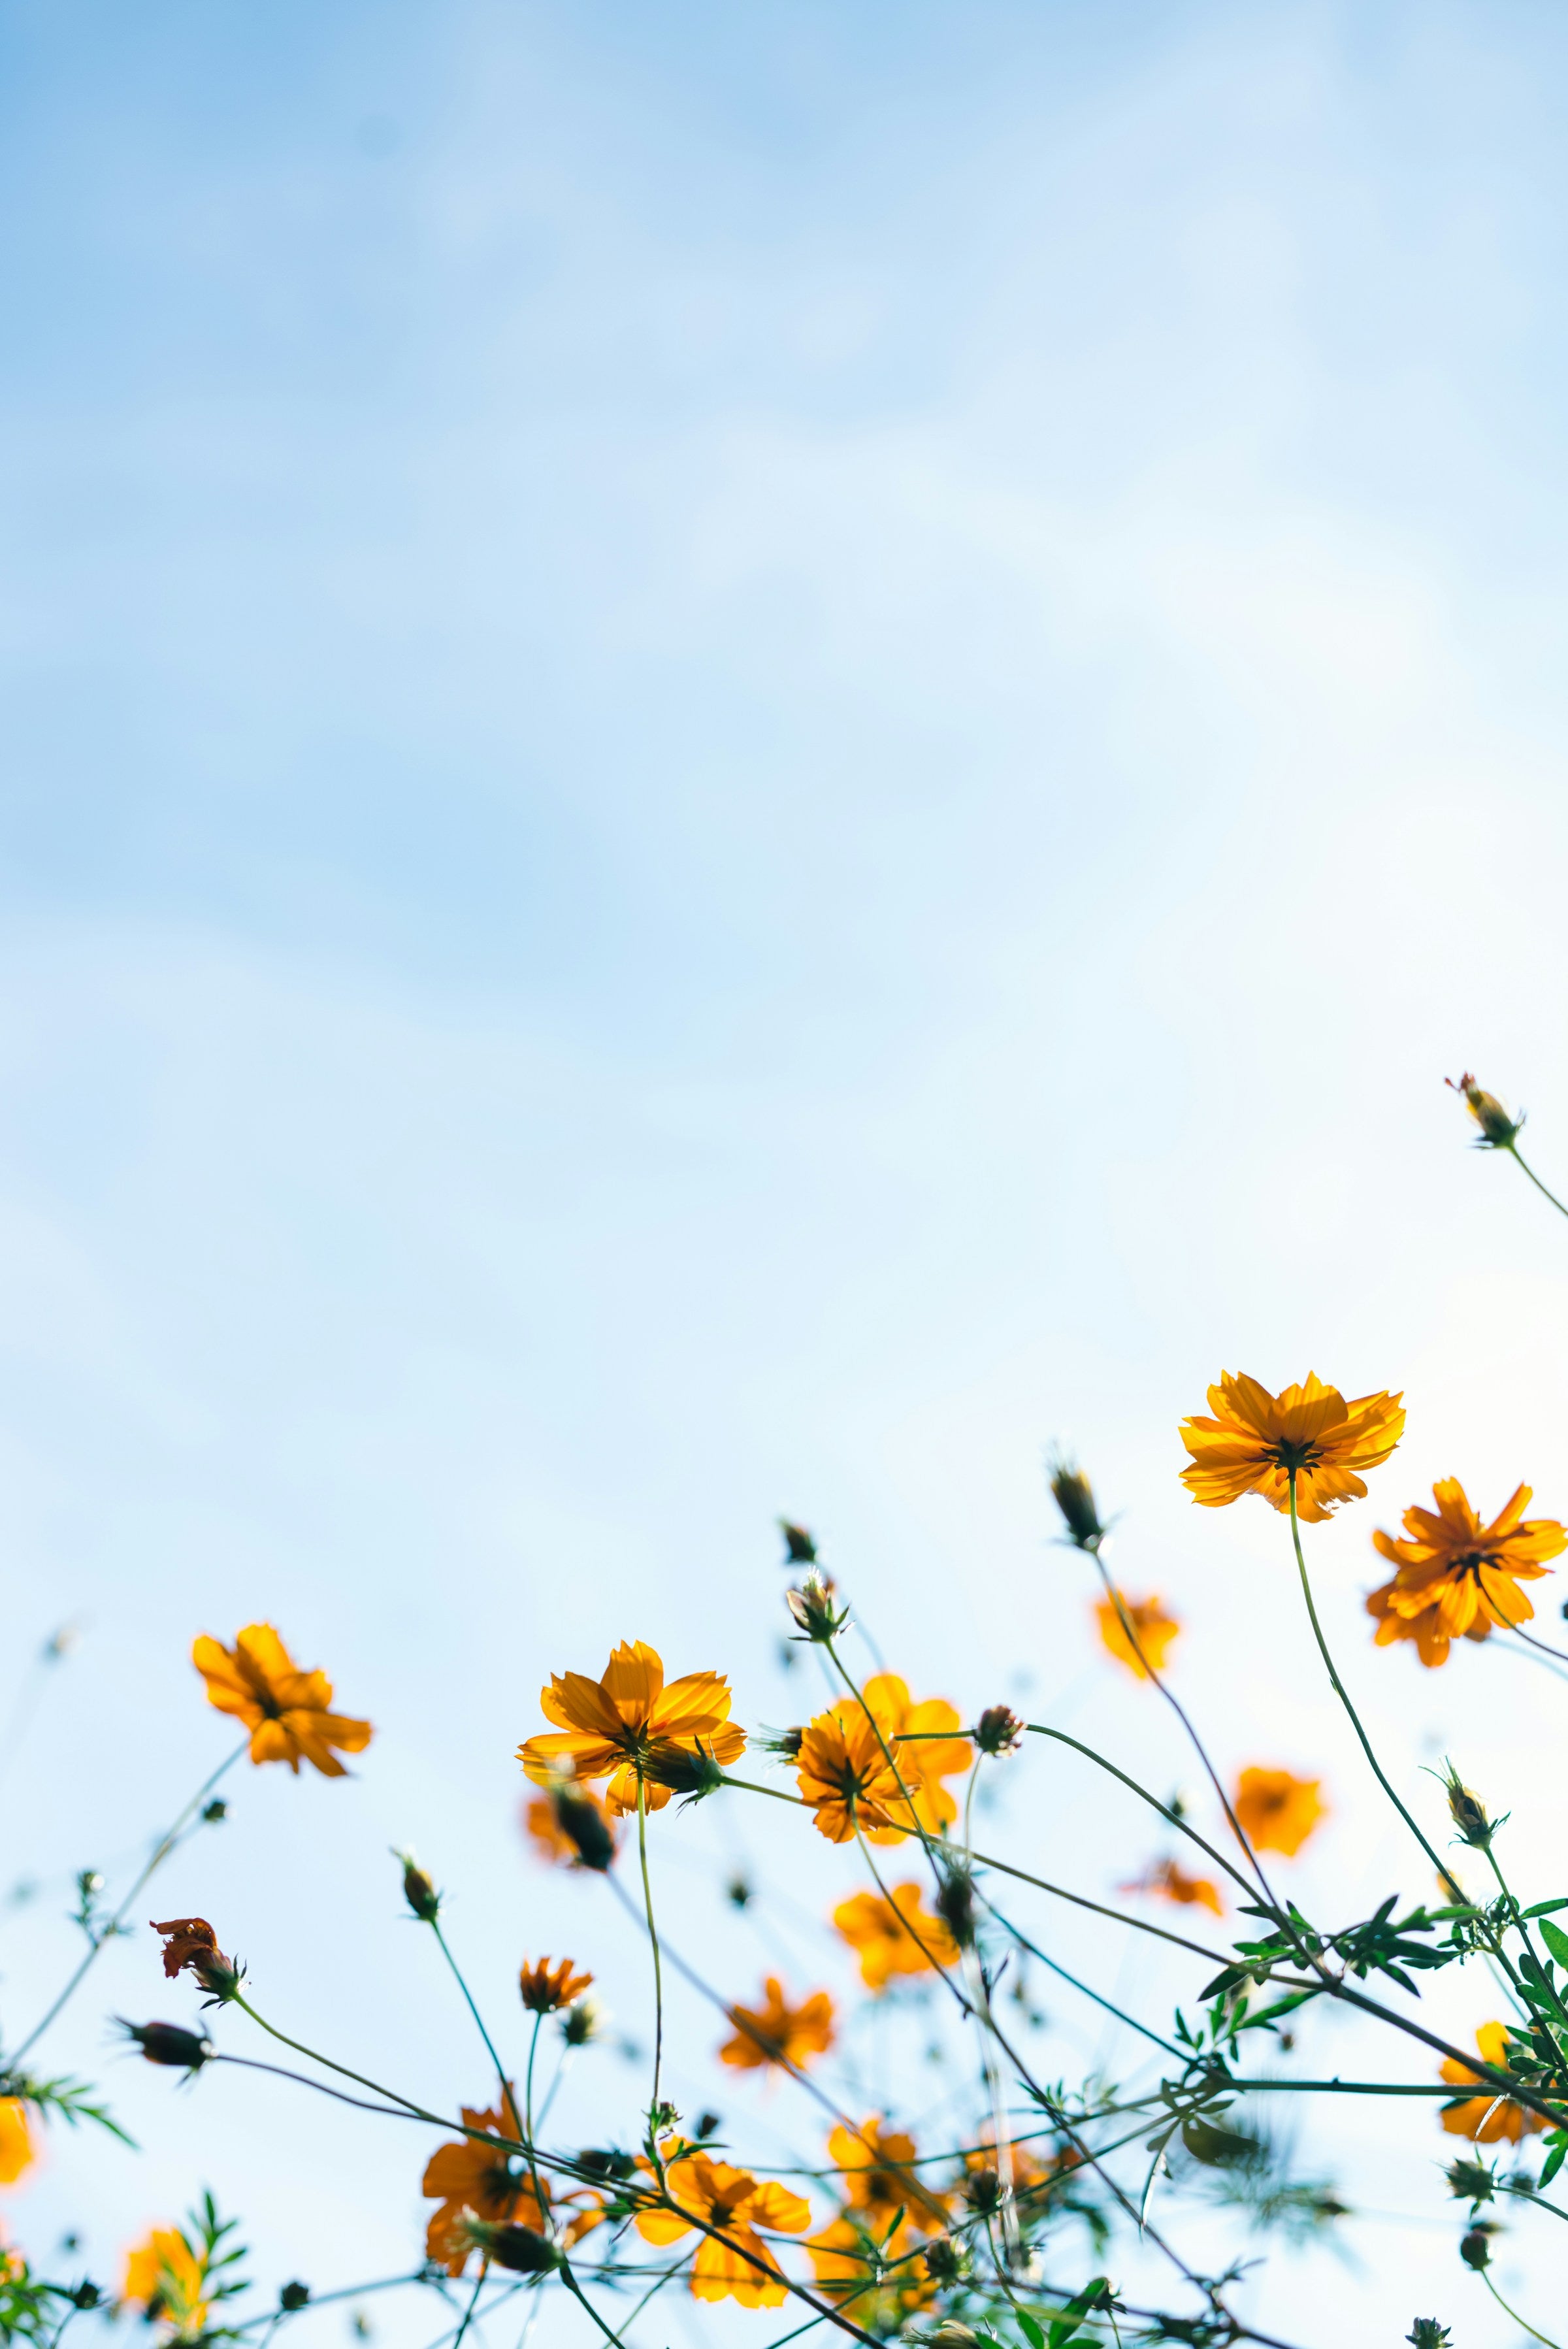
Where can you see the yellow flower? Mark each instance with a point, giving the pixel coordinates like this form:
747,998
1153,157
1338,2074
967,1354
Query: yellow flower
1171,1882
877,2278
545,1987
1254,1439
895,1936
285,1710
465,2175
1277,1812
925,1746
743,2268
1153,1628
843,1771
777,2034
611,1725
16,2141
167,2278
1455,1577
1486,2117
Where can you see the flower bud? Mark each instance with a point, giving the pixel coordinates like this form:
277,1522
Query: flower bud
1497,1130
955,1903
1469,1812
215,1812
786,1745
1427,2333
509,2244
800,1549
1074,1496
291,2297
1474,2250
607,2163
1471,2181
983,2191
951,2334
585,1826
812,1607
86,2295
998,1730
417,1889
685,1771
583,2023
167,2043
946,2261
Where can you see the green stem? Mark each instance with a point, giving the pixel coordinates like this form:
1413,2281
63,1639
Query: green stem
1339,1687
473,2303
1485,2277
1562,1210
508,2100
1038,1729
658,1972
161,1853
528,2112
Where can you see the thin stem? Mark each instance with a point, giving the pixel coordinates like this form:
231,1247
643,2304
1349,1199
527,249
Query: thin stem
1339,1687
508,2099
659,1971
1485,2275
1513,1153
1175,1818
528,2113
473,2303
160,1854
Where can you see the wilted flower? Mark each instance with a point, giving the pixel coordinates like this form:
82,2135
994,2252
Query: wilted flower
1255,1439
1153,1631
169,2043
570,1826
1486,2116
417,1889
813,1605
741,2268
999,1730
1074,1496
190,1944
777,2034
1166,1877
286,1710
895,1936
1457,1578
546,1987
1277,1810
16,2141
613,1725
1497,1130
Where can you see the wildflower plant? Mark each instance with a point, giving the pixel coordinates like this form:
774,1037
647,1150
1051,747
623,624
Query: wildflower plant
1022,2210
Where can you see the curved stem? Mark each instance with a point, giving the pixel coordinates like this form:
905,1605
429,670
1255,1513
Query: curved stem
160,1854
1513,1153
658,1971
508,2100
1040,1729
1485,2275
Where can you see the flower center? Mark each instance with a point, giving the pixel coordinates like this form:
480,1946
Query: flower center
1296,1455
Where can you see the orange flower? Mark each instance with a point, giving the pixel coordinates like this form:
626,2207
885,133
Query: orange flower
1254,1439
1153,1630
895,1936
1277,1812
285,1710
1167,1878
926,1747
571,1827
191,1942
16,2141
842,1770
877,2183
610,1725
1455,1577
777,2034
1487,2117
545,1987
480,2178
169,2280
878,2278
741,2268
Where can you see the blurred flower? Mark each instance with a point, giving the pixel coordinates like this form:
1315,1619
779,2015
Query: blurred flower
190,1944
1457,1578
743,2269
570,1826
171,2044
926,1748
800,1548
285,1710
777,2034
1277,1810
545,1987
417,1889
1486,2117
1074,1496
843,1771
876,2181
814,1606
16,2141
1166,1877
611,1725
583,2022
895,1936
509,2245
878,2278
1497,1130
166,2277
1153,1632
1254,1439
481,2180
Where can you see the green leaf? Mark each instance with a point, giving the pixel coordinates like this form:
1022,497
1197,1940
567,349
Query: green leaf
1065,2327
1557,1940
1030,2330
1544,1908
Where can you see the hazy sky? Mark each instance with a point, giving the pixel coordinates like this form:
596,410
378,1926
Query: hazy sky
752,753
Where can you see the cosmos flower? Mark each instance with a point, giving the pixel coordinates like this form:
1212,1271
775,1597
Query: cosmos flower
844,1774
1486,2117
1277,1810
610,1726
16,2141
743,2268
1255,1439
286,1710
895,1936
926,1747
546,1987
1170,1880
464,2176
165,2277
1153,1629
1458,1578
777,2034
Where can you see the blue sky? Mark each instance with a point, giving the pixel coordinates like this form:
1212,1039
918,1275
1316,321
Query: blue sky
752,755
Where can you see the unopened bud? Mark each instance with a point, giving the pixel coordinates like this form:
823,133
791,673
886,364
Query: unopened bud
171,2044
1427,2333
1497,1130
291,2297
956,1904
86,2295
417,1889
585,1826
998,1730
509,2244
1474,2250
1469,1812
800,1549
1074,1496
684,1770
583,2023
786,1745
984,2191
944,2261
